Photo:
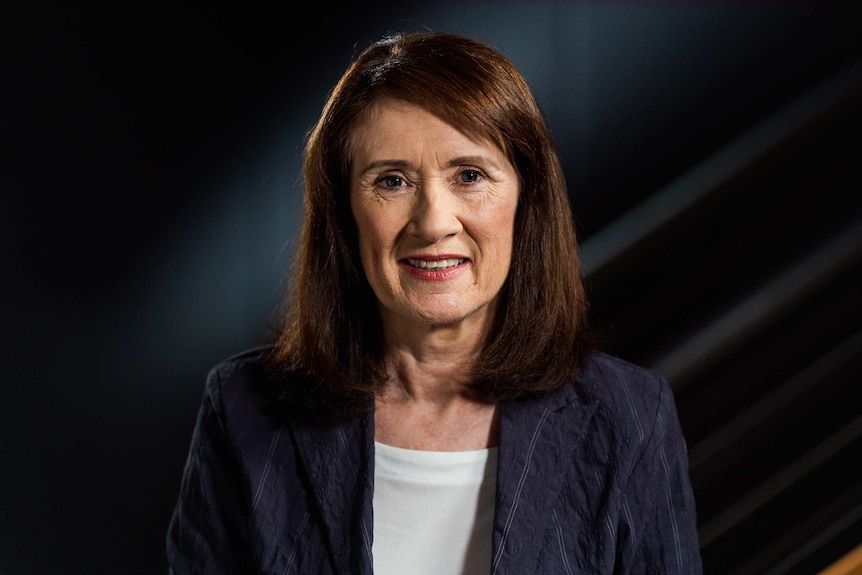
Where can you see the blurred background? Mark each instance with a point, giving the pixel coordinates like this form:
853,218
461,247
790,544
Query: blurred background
149,195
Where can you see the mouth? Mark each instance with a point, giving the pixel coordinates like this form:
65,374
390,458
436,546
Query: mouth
435,265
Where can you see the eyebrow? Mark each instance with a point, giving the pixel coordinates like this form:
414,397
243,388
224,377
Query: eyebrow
473,160
384,164
458,161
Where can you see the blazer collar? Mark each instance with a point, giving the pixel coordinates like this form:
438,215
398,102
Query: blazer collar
339,463
538,440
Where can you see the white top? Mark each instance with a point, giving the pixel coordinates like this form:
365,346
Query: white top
433,511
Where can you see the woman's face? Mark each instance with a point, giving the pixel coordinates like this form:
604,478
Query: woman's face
435,212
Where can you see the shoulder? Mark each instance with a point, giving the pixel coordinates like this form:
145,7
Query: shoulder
611,379
630,398
245,364
253,384
615,398
238,375
241,392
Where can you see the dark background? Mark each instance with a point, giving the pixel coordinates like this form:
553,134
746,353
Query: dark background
149,195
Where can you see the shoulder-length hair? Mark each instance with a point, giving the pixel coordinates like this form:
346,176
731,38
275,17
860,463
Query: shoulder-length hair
329,341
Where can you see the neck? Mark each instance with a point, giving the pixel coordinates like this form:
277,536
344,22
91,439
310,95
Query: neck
432,365
426,402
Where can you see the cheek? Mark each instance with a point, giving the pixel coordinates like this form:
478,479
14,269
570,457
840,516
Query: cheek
500,228
366,243
374,237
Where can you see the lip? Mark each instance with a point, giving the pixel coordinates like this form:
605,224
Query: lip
434,274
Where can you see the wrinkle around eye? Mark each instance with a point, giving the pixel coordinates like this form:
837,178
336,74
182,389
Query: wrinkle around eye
381,190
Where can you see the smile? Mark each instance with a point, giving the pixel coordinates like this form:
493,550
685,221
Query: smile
437,264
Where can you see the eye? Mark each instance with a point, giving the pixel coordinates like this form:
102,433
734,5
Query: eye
392,181
470,176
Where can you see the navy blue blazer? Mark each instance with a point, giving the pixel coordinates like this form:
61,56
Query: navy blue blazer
591,479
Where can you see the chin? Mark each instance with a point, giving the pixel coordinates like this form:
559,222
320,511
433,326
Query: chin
443,320
454,317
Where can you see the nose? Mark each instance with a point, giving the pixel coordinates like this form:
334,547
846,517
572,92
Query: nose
435,214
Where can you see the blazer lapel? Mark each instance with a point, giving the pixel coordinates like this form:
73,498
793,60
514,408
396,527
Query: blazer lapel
339,463
537,439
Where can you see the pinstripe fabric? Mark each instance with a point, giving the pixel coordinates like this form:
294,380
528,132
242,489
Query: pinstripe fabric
522,478
592,479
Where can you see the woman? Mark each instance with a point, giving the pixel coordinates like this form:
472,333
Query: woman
431,403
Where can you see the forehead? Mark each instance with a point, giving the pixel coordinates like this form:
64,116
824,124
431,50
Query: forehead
396,126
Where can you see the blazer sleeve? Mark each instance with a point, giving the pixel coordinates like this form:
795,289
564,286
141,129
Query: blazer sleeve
208,531
661,489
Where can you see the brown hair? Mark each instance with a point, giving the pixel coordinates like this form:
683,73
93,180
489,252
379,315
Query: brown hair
329,346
